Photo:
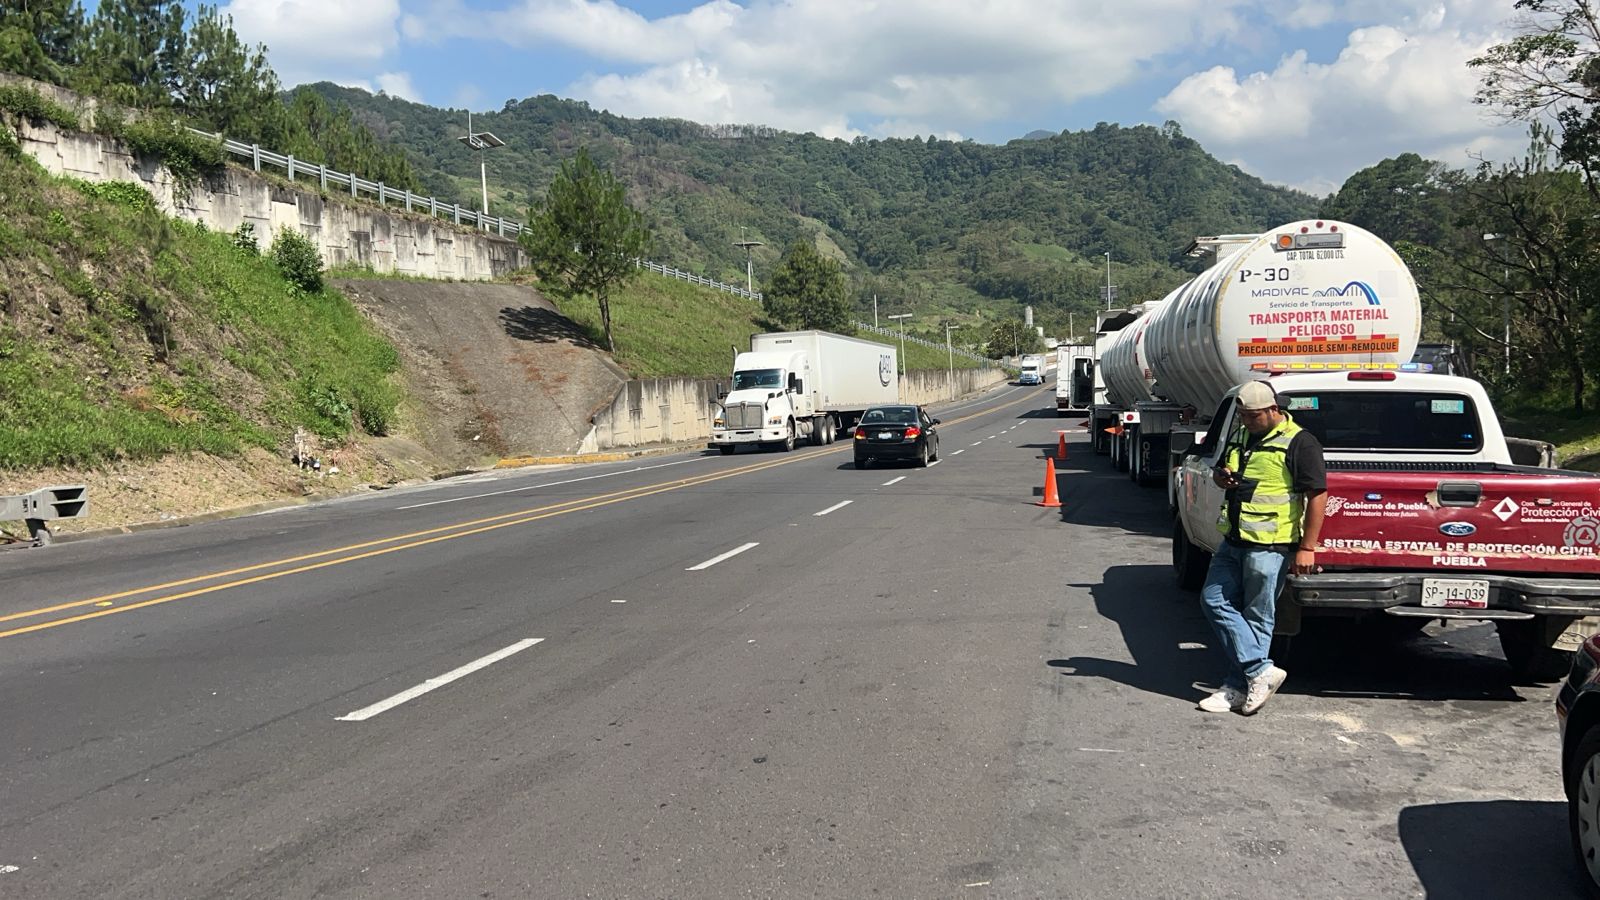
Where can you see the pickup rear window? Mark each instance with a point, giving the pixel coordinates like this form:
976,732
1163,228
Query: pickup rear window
1388,420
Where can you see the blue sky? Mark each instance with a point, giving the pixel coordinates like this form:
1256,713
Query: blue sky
1300,92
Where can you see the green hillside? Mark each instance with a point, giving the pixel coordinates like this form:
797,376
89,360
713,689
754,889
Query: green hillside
957,228
128,335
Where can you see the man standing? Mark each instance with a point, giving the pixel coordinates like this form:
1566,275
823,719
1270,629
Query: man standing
1276,493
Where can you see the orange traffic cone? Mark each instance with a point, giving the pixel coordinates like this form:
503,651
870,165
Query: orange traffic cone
1061,446
1051,498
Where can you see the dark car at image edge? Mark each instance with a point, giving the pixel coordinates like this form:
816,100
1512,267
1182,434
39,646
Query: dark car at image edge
1578,709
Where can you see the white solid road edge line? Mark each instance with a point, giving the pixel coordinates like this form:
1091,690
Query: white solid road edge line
729,555
367,712
894,481
836,506
935,463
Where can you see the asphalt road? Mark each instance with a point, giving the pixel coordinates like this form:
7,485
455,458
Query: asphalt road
566,683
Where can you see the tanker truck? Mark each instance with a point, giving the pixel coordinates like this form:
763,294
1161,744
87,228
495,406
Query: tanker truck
1427,516
1314,295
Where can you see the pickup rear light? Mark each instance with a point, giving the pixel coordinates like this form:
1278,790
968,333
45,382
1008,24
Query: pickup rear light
912,432
1370,376
861,434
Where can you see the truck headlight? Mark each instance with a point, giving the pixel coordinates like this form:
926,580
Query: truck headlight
774,420
719,422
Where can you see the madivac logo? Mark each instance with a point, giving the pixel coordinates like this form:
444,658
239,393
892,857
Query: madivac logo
1353,289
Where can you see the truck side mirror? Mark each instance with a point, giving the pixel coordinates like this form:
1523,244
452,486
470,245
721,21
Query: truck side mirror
722,392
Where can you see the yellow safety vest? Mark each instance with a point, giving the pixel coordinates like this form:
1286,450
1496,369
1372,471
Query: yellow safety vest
1270,512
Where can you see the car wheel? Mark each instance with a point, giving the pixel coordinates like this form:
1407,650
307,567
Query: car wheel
1189,562
1583,807
922,456
727,449
861,463
934,457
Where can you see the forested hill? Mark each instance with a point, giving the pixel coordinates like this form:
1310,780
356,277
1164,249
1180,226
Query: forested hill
1028,221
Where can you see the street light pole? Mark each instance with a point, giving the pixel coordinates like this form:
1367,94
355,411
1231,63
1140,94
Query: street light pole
1108,279
749,273
950,351
902,317
481,141
1505,299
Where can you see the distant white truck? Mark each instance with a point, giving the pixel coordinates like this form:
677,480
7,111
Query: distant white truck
1074,378
1032,369
796,385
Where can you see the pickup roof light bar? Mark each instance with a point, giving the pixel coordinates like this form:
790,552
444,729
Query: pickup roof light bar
1281,368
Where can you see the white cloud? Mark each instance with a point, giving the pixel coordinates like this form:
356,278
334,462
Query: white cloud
312,40
1312,124
398,84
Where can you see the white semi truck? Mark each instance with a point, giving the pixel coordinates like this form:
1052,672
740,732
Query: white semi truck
1075,381
1032,369
802,385
1312,295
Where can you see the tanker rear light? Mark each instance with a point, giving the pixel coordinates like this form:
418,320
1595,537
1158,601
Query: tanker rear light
1332,239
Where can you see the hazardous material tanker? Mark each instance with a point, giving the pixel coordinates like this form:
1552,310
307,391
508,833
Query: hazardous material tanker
1315,295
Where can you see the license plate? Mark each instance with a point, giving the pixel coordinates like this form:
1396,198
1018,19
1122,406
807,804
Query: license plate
1460,593
885,435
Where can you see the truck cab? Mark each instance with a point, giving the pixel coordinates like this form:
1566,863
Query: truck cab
769,394
1032,370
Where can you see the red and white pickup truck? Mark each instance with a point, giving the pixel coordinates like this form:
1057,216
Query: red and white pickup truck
1427,516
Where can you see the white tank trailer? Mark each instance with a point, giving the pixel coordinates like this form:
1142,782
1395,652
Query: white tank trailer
1309,295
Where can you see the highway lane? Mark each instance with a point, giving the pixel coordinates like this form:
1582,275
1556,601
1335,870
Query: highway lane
938,689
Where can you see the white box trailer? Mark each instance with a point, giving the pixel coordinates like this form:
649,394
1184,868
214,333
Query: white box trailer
803,384
1074,378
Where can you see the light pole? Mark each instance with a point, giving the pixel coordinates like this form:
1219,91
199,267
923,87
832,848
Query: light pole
1108,279
481,141
749,273
874,310
950,351
1505,300
902,317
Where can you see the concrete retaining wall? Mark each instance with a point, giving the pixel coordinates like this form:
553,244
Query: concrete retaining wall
680,410
347,232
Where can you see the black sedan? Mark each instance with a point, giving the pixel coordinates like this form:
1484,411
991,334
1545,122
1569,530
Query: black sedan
896,432
1578,708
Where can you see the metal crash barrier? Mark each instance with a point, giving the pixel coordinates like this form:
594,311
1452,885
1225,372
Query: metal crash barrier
62,501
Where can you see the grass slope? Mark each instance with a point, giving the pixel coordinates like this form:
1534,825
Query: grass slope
666,327
128,335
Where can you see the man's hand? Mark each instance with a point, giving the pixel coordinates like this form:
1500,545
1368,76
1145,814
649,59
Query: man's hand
1224,477
1305,562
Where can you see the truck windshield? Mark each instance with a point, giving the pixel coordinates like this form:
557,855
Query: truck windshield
757,378
1388,420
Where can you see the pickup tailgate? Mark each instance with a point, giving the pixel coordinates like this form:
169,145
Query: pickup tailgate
1500,518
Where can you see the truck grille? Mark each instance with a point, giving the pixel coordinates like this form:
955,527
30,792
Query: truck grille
745,415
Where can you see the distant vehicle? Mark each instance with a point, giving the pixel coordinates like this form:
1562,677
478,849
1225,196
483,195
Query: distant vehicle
1074,378
1051,343
1032,369
897,433
796,385
1578,710
1443,357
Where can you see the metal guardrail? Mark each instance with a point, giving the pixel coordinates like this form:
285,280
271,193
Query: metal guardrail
692,278
891,333
357,185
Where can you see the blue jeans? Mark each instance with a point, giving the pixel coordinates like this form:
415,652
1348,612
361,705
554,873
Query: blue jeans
1240,600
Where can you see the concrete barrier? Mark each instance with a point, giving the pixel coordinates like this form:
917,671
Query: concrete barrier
680,410
348,233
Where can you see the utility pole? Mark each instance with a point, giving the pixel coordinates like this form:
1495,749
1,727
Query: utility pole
749,273
1505,300
902,317
874,310
1108,279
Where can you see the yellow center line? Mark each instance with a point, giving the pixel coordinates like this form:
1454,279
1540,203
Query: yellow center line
428,536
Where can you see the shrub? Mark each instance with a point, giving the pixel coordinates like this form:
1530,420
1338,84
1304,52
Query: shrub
298,260
244,237
126,194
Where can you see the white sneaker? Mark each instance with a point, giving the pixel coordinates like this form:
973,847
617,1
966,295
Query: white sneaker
1262,687
1226,700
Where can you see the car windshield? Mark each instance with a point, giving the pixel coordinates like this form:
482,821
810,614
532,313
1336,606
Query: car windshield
1388,420
890,415
757,378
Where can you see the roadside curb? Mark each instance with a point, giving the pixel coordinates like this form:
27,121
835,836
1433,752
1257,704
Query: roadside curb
271,505
517,462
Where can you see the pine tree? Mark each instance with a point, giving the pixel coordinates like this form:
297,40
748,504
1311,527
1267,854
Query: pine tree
585,236
41,38
808,291
137,51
